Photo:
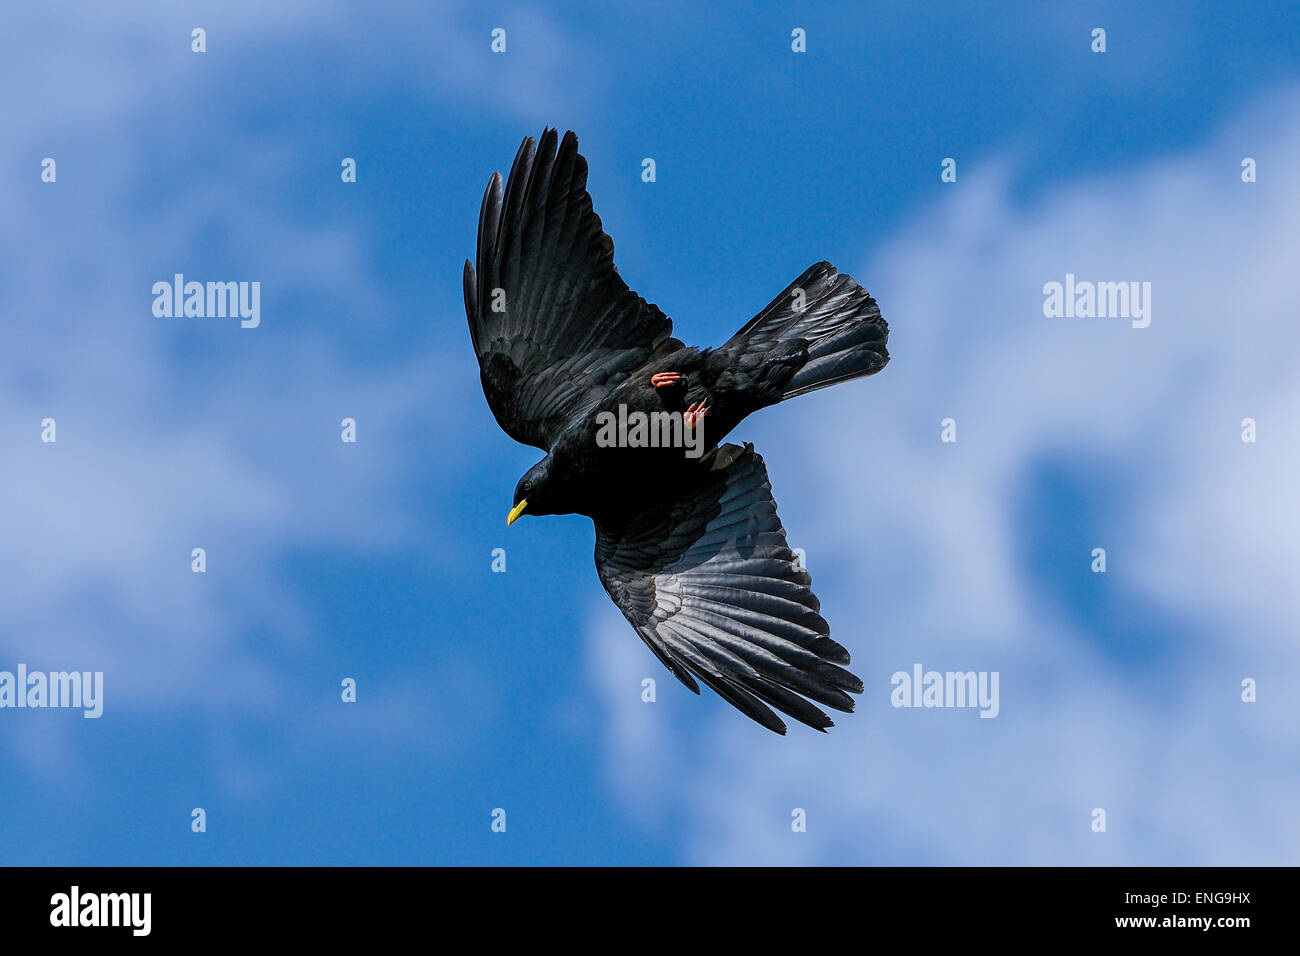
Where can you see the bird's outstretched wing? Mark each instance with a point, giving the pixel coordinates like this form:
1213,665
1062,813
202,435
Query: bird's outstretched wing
711,586
554,325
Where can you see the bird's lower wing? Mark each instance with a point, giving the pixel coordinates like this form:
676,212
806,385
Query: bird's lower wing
711,586
554,325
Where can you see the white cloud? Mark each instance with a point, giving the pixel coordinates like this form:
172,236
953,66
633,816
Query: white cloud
924,557
171,437
96,63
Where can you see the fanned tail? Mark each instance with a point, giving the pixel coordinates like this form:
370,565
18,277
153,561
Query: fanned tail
840,323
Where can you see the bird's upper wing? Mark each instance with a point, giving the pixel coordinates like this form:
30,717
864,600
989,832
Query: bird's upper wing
711,586
554,325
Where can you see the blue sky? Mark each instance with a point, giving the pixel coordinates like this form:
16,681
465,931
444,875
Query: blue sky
523,690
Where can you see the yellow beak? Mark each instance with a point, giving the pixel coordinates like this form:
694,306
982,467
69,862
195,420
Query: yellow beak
515,512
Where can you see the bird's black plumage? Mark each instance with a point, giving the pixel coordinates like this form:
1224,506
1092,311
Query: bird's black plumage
568,326
689,548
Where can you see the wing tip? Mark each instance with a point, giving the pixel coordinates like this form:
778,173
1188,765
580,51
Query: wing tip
471,292
492,194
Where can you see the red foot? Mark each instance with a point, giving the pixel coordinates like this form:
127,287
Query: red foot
664,379
694,414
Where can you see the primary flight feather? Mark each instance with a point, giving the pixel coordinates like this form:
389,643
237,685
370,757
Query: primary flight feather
688,542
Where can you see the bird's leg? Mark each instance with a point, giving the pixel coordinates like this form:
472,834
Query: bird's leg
664,379
693,414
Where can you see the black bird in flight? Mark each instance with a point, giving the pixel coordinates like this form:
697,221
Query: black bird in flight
689,548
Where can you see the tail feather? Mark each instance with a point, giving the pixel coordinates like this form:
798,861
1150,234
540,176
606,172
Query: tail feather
840,323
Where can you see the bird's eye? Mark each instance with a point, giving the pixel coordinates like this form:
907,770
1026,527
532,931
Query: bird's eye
527,485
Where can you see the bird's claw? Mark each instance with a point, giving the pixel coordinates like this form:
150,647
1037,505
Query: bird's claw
663,379
695,413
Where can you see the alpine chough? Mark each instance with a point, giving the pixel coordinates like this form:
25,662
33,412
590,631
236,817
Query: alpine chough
688,542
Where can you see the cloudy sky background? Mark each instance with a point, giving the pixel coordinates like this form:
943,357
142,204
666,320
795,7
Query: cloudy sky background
523,690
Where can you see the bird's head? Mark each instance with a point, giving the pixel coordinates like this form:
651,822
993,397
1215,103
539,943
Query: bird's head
533,493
